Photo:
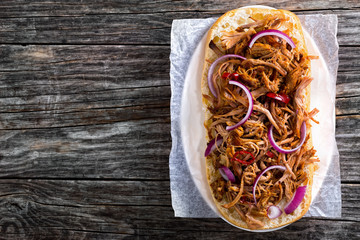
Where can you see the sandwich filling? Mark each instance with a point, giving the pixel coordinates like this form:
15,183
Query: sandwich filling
276,75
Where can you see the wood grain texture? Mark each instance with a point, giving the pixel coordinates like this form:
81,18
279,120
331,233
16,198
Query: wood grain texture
348,105
348,141
82,85
148,28
70,8
103,192
41,208
85,121
123,150
348,84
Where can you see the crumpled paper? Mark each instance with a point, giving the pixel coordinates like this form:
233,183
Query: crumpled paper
187,201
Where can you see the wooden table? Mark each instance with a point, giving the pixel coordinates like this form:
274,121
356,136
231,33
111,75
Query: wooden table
85,121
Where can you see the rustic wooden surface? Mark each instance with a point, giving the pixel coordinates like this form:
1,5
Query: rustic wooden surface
85,121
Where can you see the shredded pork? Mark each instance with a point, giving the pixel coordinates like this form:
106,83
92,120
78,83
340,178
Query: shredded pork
271,66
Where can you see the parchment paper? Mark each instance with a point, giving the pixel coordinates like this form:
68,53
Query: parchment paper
187,201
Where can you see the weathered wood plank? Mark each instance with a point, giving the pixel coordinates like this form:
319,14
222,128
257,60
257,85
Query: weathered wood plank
67,87
123,150
149,28
90,59
349,59
348,84
84,108
348,142
348,105
88,193
157,96
62,208
350,195
349,160
23,8
346,35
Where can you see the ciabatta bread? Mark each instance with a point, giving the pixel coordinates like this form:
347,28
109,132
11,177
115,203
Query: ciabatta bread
229,22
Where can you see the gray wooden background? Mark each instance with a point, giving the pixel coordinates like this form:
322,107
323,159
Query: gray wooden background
85,121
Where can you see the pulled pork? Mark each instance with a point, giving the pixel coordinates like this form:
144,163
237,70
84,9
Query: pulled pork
271,67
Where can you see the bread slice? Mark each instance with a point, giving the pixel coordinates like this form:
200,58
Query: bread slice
292,27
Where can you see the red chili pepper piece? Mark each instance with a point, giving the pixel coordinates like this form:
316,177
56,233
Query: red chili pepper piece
271,95
285,97
243,153
270,154
226,75
281,97
234,76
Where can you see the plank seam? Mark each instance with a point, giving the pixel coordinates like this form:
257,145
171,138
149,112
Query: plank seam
89,179
348,115
90,124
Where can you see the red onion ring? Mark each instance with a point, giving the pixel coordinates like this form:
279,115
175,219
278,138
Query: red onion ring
212,68
262,173
281,150
250,109
227,174
274,212
211,145
296,200
272,32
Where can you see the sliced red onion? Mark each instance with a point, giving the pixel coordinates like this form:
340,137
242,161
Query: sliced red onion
296,200
281,150
212,68
212,146
227,174
272,32
262,173
274,212
251,104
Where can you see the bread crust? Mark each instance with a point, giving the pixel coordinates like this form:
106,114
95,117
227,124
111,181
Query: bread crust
230,21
